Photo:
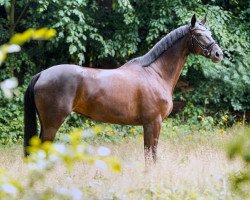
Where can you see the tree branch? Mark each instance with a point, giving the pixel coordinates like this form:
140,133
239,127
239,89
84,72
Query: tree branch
22,14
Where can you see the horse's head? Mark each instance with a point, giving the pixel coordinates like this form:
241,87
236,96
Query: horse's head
202,43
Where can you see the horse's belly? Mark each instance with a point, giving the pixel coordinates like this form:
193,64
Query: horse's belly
110,111
120,113
117,119
112,116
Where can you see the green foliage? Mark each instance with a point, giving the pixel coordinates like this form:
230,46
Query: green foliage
12,111
21,38
93,32
224,86
11,118
240,147
89,30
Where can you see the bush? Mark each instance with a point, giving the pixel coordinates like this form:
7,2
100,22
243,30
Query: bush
11,118
240,147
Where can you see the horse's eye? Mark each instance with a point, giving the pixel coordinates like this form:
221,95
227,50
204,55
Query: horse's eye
198,34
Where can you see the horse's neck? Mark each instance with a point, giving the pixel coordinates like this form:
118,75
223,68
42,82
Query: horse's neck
170,63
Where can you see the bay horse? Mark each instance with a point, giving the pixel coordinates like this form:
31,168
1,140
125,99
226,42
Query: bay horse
137,93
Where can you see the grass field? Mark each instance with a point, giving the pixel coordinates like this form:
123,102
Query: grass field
189,167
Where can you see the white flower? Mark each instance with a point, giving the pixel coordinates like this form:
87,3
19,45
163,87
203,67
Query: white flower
10,189
101,164
76,194
73,193
62,191
7,93
87,133
41,155
8,85
60,148
13,48
103,151
53,158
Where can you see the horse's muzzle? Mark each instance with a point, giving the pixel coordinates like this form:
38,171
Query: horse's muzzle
216,54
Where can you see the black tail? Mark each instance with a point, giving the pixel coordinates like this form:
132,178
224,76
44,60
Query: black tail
30,125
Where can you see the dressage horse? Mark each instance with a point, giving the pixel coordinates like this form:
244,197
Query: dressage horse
138,93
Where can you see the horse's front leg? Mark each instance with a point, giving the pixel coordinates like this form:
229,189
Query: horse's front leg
151,136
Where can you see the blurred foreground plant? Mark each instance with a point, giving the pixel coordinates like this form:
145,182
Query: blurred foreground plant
240,147
13,45
44,157
9,188
21,38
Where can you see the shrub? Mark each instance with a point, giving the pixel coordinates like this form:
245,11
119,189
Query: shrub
240,147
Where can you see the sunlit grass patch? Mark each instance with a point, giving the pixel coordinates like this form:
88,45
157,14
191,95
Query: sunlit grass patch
194,166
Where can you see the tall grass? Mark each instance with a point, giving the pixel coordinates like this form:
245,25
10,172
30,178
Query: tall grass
188,167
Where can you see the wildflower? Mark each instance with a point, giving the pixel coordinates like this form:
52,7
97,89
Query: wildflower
101,164
103,151
10,189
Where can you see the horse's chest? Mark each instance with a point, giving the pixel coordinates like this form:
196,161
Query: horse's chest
163,107
160,105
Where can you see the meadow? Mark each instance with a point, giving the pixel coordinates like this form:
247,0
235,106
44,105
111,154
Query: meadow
193,166
204,150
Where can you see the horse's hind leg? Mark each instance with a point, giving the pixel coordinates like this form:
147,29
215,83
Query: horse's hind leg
51,119
50,125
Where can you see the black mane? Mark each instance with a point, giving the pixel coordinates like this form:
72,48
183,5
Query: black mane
161,46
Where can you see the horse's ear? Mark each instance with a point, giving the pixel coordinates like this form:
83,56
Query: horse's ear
193,21
204,20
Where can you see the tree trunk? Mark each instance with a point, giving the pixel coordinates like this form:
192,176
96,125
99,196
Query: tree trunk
12,17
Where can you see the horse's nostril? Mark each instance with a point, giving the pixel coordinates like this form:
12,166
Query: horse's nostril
217,54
